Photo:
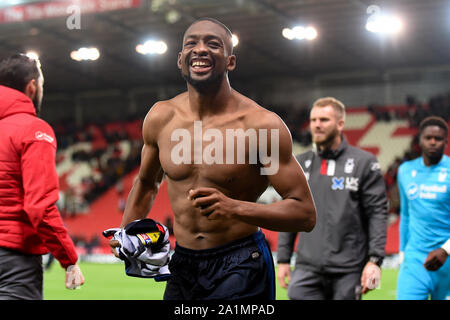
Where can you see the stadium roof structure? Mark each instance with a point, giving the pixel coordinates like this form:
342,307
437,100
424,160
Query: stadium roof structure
344,50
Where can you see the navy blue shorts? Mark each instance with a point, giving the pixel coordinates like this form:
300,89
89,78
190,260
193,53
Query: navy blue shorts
242,269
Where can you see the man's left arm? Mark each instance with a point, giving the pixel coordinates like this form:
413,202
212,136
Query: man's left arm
374,204
294,213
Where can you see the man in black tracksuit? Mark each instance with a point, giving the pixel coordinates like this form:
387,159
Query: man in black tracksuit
340,258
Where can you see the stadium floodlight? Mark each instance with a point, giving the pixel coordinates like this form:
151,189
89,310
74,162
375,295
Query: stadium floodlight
288,33
235,40
300,33
84,54
310,33
382,23
152,47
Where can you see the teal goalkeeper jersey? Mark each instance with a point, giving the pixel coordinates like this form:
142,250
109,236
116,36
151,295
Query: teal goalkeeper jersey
424,205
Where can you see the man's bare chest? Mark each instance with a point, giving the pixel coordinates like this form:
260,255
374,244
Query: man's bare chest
214,147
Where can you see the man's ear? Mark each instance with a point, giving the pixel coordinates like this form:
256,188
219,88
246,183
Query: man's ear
31,89
231,63
179,60
341,123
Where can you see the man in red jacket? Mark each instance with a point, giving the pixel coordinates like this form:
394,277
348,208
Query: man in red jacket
30,223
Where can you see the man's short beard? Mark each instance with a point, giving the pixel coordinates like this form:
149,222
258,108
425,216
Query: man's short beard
329,139
434,158
204,85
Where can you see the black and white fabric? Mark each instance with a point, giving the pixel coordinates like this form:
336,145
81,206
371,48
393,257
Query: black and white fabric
144,247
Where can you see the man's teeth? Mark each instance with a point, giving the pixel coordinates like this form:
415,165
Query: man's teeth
200,64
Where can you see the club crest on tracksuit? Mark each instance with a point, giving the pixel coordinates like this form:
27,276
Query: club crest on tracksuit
349,165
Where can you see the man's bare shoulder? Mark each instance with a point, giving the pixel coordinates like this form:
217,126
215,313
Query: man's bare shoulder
259,117
161,113
163,110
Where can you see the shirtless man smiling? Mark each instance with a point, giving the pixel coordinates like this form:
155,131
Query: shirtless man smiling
199,139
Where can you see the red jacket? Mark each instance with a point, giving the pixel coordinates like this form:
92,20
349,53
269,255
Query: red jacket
29,219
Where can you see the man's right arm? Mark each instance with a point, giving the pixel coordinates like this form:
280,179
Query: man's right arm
146,184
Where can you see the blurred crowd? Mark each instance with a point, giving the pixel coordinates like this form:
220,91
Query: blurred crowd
114,150
414,112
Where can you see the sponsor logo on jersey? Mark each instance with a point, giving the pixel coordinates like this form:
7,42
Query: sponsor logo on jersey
348,183
338,183
352,183
149,237
424,191
412,191
43,136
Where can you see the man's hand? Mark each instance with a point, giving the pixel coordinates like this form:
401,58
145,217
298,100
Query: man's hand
74,277
435,259
213,203
114,244
284,272
370,278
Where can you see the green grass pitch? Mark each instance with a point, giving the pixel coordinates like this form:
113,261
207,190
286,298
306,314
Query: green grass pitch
109,282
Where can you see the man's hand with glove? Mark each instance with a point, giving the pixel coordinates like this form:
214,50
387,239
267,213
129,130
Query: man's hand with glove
370,278
74,277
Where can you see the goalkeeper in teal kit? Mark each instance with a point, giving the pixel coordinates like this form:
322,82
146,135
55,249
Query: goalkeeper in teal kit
424,186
